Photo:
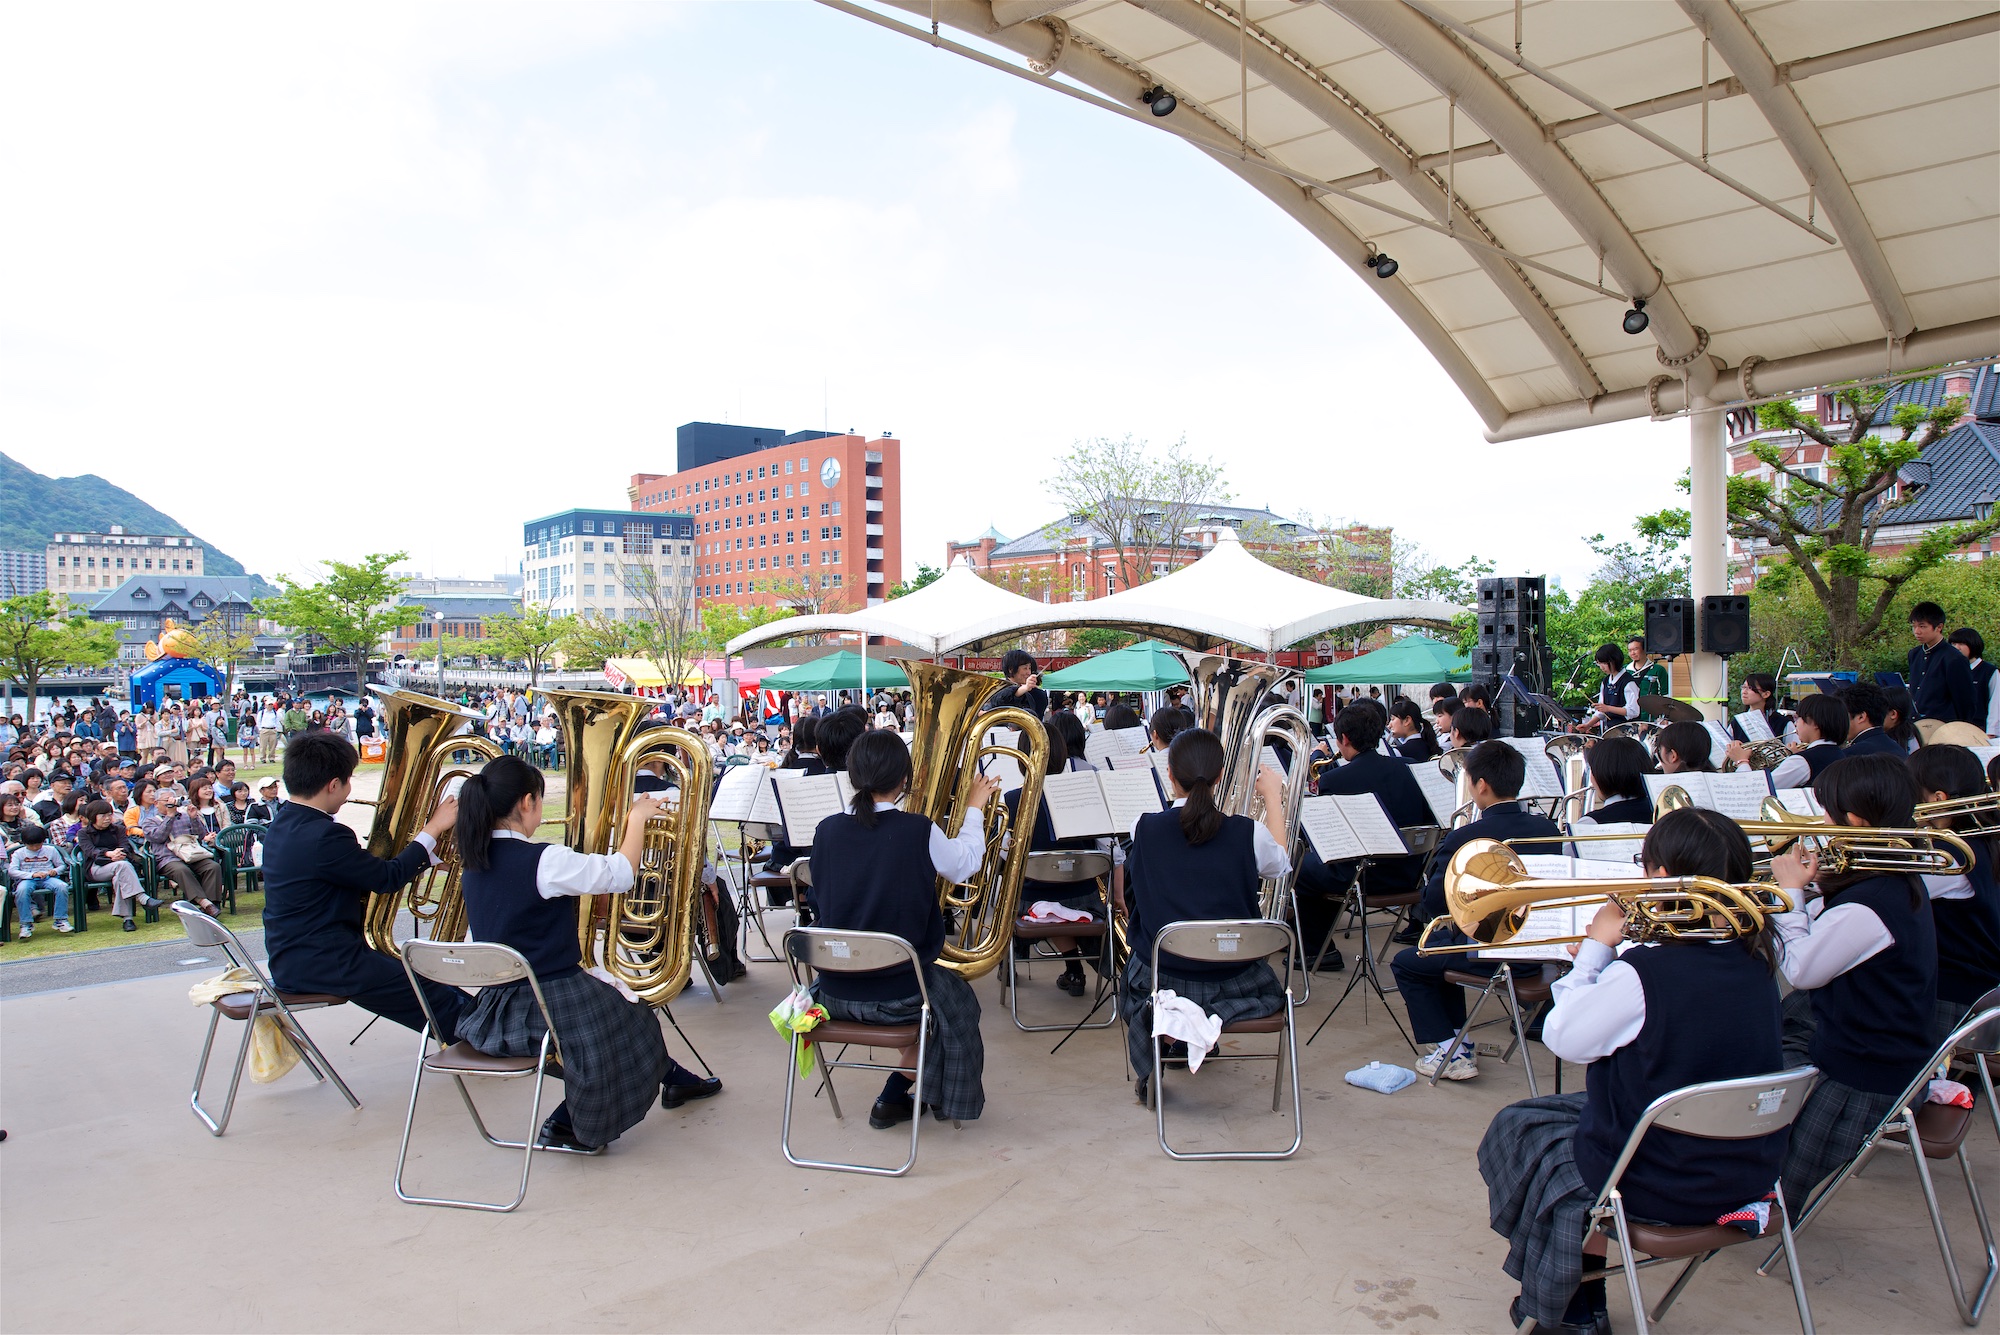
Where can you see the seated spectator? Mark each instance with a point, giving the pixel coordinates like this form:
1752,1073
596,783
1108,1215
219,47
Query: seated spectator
179,842
37,867
108,857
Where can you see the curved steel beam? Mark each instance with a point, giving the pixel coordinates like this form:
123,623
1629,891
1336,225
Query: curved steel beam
1124,82
1294,77
1744,53
1455,72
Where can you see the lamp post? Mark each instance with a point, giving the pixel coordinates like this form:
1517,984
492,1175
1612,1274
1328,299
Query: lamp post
437,622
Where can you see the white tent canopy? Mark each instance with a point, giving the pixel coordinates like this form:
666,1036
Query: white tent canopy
951,612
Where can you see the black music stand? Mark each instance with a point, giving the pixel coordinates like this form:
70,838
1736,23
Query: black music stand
1365,970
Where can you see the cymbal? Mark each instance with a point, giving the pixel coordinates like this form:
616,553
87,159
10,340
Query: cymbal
1672,710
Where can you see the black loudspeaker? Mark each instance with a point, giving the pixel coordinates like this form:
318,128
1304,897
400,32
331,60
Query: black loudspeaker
1513,640
1669,627
1725,625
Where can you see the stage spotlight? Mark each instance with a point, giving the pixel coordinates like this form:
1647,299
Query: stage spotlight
1636,319
1384,266
1160,100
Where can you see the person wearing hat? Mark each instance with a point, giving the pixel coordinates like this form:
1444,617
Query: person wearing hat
268,803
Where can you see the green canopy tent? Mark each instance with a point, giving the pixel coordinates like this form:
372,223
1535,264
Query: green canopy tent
836,672
1146,666
1412,658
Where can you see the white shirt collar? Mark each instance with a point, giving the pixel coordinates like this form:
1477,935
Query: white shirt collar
511,834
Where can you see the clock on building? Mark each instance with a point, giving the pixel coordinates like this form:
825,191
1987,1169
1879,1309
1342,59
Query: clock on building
829,473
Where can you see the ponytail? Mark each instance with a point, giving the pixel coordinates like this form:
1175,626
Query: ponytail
1195,761
878,763
486,799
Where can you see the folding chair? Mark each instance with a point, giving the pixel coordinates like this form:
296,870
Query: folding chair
760,892
1741,1109
1937,1131
1060,867
1514,994
829,951
476,965
1235,941
259,997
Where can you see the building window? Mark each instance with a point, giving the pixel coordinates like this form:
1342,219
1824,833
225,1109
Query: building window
836,507
836,532
824,509
590,590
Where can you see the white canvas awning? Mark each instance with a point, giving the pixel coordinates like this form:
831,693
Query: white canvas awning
956,610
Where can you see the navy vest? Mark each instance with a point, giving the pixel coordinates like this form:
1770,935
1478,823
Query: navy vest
502,905
1818,756
1612,692
1625,811
1982,681
1968,934
1873,1023
1170,880
878,880
1711,1014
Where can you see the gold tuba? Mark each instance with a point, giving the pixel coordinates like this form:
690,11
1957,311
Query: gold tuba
644,937
950,734
423,734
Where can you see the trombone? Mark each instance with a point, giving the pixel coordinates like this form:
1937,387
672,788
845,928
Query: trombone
1844,849
1489,896
1982,809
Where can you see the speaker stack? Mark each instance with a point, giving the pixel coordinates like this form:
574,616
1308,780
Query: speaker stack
1725,625
1513,638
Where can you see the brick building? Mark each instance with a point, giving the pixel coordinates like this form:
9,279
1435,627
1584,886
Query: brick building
1956,479
103,561
808,517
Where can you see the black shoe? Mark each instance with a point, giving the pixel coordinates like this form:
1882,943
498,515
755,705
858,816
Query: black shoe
890,1111
1333,963
561,1137
1409,936
131,926
1598,1326
1144,1080
1176,1051
684,1086
1071,981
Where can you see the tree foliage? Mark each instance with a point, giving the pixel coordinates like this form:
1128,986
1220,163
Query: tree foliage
530,635
43,631
1087,640
1828,525
926,574
1785,615
1119,496
225,645
348,610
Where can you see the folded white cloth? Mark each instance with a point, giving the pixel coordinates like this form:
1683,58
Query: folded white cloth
1174,1016
1047,910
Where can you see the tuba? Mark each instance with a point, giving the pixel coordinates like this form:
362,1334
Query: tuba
950,733
423,734
644,937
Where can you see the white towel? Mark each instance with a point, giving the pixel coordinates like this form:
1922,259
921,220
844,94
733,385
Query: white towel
1174,1016
1046,910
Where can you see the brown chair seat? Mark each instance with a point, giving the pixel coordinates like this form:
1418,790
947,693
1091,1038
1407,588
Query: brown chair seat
1396,900
237,1004
462,1058
872,1035
1257,1024
1675,1241
1529,991
771,880
1042,931
1942,1127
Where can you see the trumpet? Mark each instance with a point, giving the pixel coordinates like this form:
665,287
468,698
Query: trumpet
1982,809
1489,895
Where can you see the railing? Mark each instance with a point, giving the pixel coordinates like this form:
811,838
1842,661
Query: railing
424,677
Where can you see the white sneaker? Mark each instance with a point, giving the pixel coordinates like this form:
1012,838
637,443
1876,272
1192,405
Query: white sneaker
62,925
1427,1064
27,931
1462,1067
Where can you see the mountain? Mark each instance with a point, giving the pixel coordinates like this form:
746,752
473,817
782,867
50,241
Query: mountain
33,507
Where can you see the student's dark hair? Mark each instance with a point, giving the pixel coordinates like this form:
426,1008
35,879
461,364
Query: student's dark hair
1904,706
32,834
1406,710
1761,682
1360,725
92,810
1071,727
1167,722
1195,760
1881,791
1475,693
1447,706
1865,697
1443,690
1691,743
1503,768
1120,716
1619,766
1014,660
1610,655
837,734
1695,841
1929,613
1971,639
315,759
1951,770
805,737
1059,746
486,799
1472,724
1827,713
878,763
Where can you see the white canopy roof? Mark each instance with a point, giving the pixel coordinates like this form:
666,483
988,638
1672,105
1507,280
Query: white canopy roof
955,610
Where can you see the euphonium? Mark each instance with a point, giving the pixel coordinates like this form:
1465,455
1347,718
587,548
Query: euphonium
645,937
422,734
949,730
1569,753
1489,895
1463,809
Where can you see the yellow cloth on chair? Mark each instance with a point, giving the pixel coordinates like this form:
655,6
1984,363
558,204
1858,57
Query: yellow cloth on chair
271,1053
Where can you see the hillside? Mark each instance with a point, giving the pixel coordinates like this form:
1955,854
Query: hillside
33,506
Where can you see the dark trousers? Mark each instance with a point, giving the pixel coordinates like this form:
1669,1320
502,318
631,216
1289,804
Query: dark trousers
1436,1007
375,983
1320,891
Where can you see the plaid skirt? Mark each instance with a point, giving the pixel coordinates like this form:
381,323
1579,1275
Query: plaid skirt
955,1058
1831,1127
613,1054
1243,996
1537,1200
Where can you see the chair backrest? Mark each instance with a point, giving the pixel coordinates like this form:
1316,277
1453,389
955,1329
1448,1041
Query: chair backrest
802,871
1065,865
465,963
1421,840
1979,1031
830,950
1224,940
206,932
1739,1109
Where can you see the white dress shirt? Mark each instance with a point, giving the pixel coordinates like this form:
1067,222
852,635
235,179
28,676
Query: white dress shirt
564,871
955,859
1793,771
1948,887
1819,944
1600,1005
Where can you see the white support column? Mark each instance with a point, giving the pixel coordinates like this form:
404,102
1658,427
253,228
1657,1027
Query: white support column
1708,462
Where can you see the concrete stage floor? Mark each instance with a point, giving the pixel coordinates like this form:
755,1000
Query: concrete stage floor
1056,1211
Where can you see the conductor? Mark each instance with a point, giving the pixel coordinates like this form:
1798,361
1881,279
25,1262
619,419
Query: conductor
317,879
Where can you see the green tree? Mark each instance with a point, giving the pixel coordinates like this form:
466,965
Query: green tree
1118,495
42,631
1087,640
226,643
926,574
529,635
592,638
1828,525
349,610
1784,615
723,622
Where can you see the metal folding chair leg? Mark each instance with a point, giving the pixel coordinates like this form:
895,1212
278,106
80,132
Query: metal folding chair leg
792,1081
1521,1035
526,1144
1969,1310
216,1126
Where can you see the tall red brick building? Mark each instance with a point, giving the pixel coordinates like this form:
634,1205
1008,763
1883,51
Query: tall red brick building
810,519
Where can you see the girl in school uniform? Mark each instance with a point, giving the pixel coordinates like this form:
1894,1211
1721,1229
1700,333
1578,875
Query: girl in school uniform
1412,737
1070,895
1863,957
521,893
1618,770
1965,909
1649,1021
1685,747
875,869
1190,863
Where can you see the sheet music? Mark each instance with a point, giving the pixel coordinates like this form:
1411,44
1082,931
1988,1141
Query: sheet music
1985,754
1327,829
1128,795
1802,802
1535,940
1740,796
806,800
1004,768
1142,761
1621,852
1106,742
1269,756
737,793
1719,740
1371,824
1158,760
764,802
1755,726
1438,791
1075,805
1541,779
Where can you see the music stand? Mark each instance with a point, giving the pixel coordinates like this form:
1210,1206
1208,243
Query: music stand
1364,963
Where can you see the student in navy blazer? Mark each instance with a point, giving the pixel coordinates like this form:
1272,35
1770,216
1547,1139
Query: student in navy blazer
1357,731
1867,711
317,879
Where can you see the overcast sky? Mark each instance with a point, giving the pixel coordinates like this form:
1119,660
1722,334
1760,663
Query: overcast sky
325,280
